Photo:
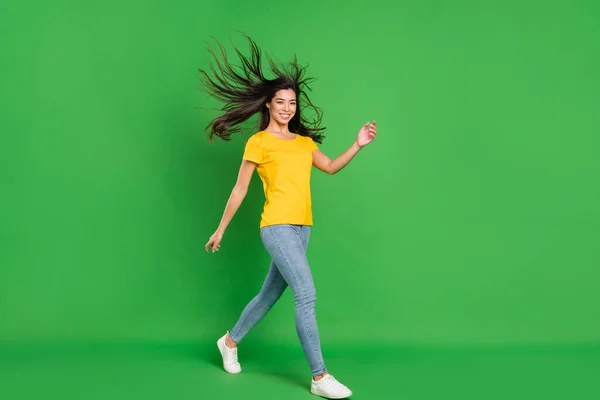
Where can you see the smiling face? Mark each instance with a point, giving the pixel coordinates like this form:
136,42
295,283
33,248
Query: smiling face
282,107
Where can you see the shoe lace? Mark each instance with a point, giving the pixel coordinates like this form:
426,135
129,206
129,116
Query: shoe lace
231,355
331,381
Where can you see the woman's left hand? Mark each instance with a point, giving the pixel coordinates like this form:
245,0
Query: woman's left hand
366,134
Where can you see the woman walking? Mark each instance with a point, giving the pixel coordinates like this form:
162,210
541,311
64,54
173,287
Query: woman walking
283,151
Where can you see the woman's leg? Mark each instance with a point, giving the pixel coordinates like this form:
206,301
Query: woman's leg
272,289
287,246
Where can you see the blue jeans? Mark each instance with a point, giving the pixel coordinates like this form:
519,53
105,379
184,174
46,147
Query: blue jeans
287,246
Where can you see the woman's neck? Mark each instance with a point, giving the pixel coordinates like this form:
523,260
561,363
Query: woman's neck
278,129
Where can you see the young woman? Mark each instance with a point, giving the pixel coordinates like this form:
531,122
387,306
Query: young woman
283,152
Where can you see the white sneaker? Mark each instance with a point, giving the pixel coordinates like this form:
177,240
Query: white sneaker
329,388
230,358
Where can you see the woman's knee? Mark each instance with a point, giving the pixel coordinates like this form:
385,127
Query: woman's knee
305,295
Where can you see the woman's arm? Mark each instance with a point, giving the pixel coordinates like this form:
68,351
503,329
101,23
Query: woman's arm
365,136
233,204
325,164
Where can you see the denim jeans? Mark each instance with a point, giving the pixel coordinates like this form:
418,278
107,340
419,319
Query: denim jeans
287,246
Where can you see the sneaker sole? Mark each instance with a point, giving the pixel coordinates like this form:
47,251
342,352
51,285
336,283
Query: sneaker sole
317,393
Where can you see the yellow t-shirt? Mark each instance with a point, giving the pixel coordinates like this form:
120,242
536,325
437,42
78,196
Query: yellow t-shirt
284,166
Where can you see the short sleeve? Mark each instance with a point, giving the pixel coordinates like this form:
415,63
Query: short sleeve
253,151
312,145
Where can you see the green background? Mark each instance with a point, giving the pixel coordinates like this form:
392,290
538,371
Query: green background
470,226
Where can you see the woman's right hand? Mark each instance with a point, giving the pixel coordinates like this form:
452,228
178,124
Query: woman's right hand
214,242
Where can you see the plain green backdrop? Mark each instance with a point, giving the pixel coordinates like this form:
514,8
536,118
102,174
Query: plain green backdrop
473,218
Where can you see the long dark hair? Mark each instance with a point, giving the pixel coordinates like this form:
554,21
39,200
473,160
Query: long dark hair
245,91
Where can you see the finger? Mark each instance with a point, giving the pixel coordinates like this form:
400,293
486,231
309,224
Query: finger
207,245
